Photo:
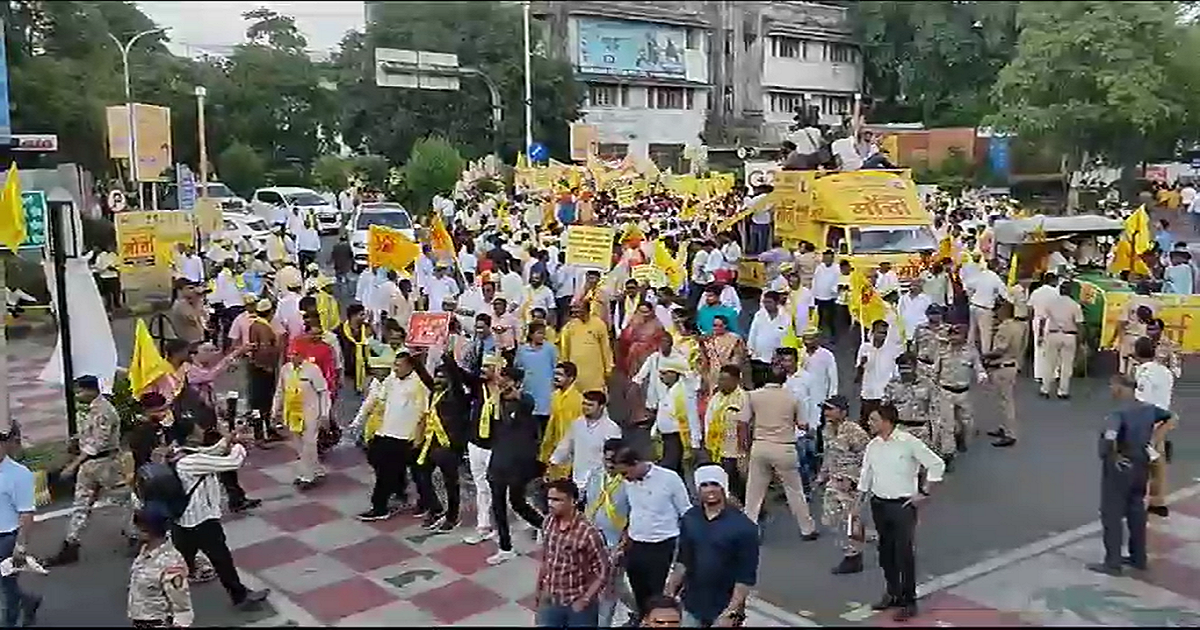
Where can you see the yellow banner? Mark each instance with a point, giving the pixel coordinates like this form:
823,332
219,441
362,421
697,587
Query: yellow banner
589,246
146,245
626,196
872,197
1180,314
390,248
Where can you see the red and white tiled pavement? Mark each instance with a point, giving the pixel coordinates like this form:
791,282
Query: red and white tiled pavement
38,407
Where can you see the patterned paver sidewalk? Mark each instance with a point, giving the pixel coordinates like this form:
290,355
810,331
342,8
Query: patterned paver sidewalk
1054,587
37,406
342,572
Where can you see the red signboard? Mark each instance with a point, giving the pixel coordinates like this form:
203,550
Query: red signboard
428,329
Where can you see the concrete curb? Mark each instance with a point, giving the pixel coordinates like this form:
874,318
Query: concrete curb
1038,547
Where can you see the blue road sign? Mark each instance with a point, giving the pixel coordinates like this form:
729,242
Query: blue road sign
186,187
998,156
538,152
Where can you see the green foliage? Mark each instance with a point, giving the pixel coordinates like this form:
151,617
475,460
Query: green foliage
331,172
933,62
433,167
484,35
1105,78
953,174
123,399
371,170
241,168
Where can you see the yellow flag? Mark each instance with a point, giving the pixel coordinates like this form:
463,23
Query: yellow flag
147,364
1012,269
668,264
390,248
1137,230
12,211
866,306
439,238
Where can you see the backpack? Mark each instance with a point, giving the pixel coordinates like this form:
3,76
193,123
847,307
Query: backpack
160,483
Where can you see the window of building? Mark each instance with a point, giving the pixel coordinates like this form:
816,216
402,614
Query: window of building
782,102
610,152
606,95
728,42
839,53
789,47
667,156
669,98
836,105
692,39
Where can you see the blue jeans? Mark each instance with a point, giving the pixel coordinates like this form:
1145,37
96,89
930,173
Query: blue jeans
806,453
564,616
760,238
14,599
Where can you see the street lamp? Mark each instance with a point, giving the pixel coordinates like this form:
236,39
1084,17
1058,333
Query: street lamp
527,10
201,92
132,135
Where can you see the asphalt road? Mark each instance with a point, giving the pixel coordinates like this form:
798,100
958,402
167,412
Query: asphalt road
996,500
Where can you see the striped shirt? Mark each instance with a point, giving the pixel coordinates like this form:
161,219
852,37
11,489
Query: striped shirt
200,467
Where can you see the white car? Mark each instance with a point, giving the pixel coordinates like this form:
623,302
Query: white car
237,226
386,214
273,203
229,200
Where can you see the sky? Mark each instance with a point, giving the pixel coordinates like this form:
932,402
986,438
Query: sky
210,27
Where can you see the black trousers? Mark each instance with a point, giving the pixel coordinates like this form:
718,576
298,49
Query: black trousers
647,566
672,452
390,458
827,317
759,370
1123,504
260,392
506,492
737,483
231,313
897,524
110,290
209,537
562,309
304,257
447,461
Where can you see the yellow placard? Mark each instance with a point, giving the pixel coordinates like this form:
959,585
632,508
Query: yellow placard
146,245
590,246
869,197
1180,314
626,196
208,216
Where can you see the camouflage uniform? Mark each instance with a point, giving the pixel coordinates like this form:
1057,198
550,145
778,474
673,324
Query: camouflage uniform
99,438
915,405
840,467
927,339
1166,352
957,367
158,589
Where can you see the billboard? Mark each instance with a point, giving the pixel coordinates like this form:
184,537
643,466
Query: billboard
153,139
628,48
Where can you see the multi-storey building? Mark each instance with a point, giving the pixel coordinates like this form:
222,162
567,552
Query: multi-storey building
666,76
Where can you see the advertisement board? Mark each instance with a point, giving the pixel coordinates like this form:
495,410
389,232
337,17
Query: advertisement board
153,139
630,48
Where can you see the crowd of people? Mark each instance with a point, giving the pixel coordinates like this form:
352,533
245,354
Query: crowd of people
635,422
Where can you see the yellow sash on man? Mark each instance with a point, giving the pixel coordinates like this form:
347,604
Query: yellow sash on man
327,308
375,413
360,353
607,491
486,414
565,406
435,433
679,412
293,400
714,439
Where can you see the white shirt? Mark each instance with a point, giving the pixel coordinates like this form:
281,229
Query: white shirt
364,287
565,278
512,287
732,253
1154,384
468,262
887,282
821,366
700,271
225,290
288,315
715,261
729,297
985,287
800,302
583,446
405,401
801,386
890,467
1041,298
766,334
763,216
846,152
879,369
438,290
200,468
308,239
541,297
664,420
1187,196
912,312
825,281
192,268
647,376
656,503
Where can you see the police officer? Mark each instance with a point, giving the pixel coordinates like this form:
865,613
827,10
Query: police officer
1126,454
1003,361
927,340
957,366
914,401
845,442
96,468
159,596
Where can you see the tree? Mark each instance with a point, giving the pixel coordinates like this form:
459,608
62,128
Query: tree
484,35
371,170
433,167
933,62
241,168
1108,79
331,172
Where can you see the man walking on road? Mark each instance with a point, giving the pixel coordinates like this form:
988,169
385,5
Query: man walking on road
1008,346
575,563
1126,454
890,469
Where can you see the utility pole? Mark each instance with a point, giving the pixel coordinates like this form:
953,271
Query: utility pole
201,92
528,6
131,137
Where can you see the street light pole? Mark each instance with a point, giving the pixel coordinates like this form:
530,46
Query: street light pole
131,136
201,92
528,9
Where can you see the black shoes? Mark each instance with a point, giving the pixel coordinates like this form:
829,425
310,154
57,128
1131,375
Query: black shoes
885,603
810,537
1106,570
849,564
248,504
1159,510
996,433
68,554
906,612
1005,441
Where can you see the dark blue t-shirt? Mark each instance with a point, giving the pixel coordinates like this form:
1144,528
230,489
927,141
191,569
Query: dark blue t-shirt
718,554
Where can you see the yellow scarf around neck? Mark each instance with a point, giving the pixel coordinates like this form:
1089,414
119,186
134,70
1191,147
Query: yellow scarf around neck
565,406
435,433
714,439
375,413
679,412
360,353
293,399
608,490
487,413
